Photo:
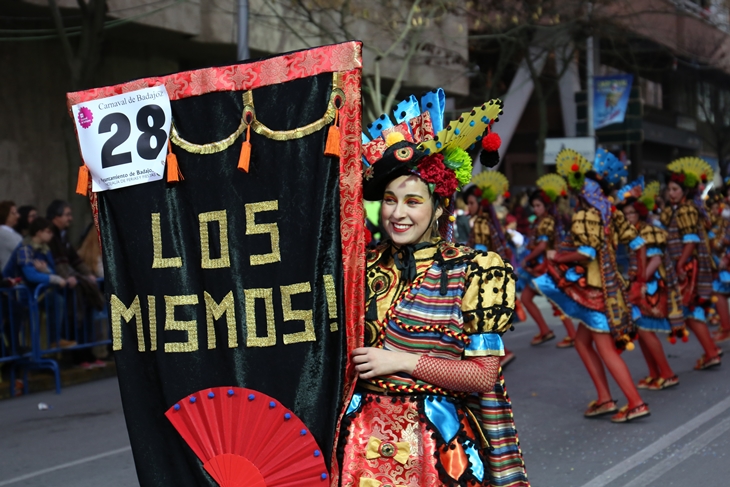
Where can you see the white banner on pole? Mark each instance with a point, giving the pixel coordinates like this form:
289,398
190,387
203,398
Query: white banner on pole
585,146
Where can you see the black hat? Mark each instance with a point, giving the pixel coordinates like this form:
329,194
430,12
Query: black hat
399,159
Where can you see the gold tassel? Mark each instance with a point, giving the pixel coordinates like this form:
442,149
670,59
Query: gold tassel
245,158
82,183
332,147
173,169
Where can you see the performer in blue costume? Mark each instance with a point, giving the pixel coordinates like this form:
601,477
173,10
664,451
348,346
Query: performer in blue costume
583,282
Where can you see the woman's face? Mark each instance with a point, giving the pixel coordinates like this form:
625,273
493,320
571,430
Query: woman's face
675,192
631,214
407,212
472,204
538,208
32,215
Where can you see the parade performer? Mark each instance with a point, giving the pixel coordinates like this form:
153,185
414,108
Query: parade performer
544,236
688,247
487,232
719,236
584,284
430,408
655,302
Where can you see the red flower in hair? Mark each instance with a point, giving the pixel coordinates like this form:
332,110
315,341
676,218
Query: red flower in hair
704,177
574,167
478,192
433,171
678,177
507,194
545,198
641,209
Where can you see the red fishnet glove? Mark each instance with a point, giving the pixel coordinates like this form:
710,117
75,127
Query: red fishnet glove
475,374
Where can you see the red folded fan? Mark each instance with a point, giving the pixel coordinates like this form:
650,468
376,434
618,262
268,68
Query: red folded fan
246,438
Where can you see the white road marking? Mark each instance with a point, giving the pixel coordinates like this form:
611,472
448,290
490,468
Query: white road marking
661,468
670,438
65,465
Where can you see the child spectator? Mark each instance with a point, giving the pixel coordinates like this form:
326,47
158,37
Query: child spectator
32,260
27,214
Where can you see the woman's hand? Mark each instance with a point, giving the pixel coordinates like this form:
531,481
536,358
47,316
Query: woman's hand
374,362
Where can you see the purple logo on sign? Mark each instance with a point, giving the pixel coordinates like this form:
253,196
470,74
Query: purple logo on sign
85,117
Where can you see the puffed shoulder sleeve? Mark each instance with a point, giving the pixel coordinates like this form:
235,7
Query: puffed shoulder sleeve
625,232
488,303
545,230
655,238
587,232
687,220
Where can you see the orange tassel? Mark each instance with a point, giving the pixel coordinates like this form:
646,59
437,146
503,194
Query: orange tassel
173,169
82,183
332,147
245,158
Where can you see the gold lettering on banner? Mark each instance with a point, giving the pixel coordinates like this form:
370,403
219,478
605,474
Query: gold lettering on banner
159,262
222,219
121,312
253,228
252,339
330,291
214,311
190,326
297,315
152,313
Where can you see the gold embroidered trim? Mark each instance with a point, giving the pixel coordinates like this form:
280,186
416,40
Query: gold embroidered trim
250,112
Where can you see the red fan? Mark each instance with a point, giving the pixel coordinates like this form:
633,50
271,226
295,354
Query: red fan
248,439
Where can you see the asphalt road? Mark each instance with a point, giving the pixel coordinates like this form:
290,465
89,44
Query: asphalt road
82,441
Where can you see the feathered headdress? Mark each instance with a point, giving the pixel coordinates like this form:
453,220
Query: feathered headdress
419,144
552,186
573,167
642,197
491,184
608,167
689,172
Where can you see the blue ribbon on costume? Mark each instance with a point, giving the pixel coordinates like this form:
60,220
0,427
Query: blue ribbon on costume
443,416
477,467
480,342
651,252
724,277
652,287
355,403
637,243
691,238
572,275
588,251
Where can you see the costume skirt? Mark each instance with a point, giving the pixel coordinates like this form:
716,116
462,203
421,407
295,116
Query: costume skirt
595,320
420,440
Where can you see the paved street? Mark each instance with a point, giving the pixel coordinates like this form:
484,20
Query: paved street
82,440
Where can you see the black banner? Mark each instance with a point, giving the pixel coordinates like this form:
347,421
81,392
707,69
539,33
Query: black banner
229,278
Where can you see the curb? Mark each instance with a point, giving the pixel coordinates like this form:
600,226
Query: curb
39,381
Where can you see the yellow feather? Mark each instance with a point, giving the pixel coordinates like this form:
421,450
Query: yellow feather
467,132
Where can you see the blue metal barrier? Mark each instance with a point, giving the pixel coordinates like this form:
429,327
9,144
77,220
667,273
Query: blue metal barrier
15,342
58,320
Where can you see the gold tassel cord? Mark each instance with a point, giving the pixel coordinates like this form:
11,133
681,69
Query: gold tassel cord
260,128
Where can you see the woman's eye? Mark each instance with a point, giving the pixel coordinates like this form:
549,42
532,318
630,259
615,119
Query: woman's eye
413,202
388,201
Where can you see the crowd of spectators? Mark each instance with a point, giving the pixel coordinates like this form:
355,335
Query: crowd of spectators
36,250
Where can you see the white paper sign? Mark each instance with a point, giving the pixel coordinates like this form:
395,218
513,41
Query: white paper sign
123,138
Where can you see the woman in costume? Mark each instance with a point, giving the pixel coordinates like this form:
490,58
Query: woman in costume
487,233
544,236
655,303
582,280
429,386
719,236
688,248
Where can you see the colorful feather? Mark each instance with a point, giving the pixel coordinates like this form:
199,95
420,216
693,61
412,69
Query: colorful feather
553,186
573,167
492,184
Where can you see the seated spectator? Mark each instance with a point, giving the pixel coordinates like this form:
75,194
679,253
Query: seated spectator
9,238
27,215
32,260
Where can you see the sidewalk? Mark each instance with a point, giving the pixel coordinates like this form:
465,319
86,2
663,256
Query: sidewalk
43,380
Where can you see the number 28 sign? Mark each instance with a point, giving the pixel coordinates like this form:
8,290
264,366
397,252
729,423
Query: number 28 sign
123,138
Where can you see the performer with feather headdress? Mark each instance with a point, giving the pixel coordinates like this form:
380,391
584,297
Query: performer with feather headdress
719,235
429,383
